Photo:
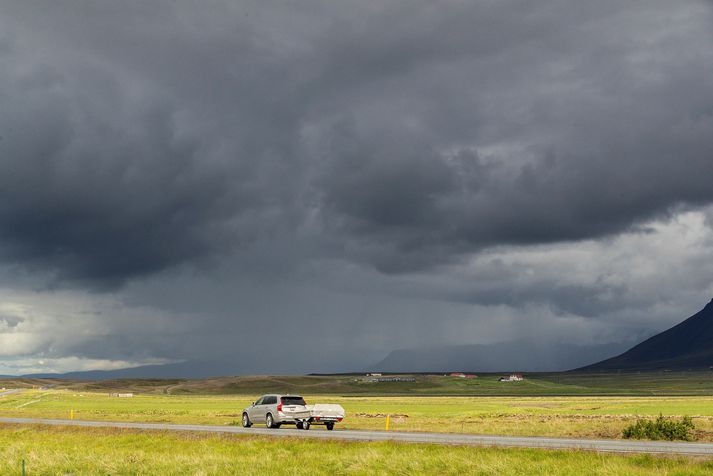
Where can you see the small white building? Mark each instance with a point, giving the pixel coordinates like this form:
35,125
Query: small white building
512,378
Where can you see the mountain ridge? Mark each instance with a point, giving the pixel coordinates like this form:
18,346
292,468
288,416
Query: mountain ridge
508,356
687,345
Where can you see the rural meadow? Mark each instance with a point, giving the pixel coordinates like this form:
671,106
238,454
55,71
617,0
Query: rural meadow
542,405
366,237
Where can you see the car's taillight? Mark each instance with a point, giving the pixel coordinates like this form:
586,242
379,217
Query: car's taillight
317,418
279,406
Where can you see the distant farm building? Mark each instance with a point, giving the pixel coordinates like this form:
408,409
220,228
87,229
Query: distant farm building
471,376
122,395
457,374
374,374
512,378
392,379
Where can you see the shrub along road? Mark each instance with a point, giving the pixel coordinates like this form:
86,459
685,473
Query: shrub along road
615,446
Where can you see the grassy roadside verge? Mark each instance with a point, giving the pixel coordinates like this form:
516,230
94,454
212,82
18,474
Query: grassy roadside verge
80,451
580,417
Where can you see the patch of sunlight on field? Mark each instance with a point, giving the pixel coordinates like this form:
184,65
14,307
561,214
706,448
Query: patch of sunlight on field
586,417
83,451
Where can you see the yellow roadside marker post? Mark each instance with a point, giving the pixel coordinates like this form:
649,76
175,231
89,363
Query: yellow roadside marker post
71,414
388,420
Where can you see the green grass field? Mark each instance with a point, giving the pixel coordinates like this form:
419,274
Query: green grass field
560,405
555,384
52,451
585,417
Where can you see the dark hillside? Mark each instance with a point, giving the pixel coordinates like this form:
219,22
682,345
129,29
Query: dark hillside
688,345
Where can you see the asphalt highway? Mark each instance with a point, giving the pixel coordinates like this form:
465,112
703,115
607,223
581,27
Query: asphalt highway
615,446
10,392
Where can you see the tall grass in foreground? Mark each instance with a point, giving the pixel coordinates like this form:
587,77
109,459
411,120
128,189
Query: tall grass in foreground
83,451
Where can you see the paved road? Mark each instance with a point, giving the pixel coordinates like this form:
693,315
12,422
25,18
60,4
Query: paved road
10,392
616,446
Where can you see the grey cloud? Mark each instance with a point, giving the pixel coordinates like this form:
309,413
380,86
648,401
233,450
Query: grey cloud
10,320
141,137
106,177
580,146
268,145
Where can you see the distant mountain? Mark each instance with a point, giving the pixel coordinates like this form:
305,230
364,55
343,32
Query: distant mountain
196,369
688,345
500,357
171,371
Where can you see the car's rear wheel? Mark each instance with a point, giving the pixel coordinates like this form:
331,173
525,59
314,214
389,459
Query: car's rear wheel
269,422
329,425
246,421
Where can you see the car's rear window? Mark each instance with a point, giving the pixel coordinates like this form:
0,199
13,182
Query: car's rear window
293,401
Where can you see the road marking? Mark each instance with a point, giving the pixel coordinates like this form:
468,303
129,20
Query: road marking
608,446
27,403
5,393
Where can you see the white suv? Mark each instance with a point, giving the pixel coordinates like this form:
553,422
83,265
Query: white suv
275,410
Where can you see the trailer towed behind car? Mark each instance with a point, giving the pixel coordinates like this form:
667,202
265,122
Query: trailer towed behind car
277,410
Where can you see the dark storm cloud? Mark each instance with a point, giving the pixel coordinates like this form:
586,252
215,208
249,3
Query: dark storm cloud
573,133
126,153
136,137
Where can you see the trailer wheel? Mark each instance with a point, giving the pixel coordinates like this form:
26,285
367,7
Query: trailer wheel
330,425
298,425
305,425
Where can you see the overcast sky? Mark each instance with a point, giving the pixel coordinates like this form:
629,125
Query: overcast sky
304,186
